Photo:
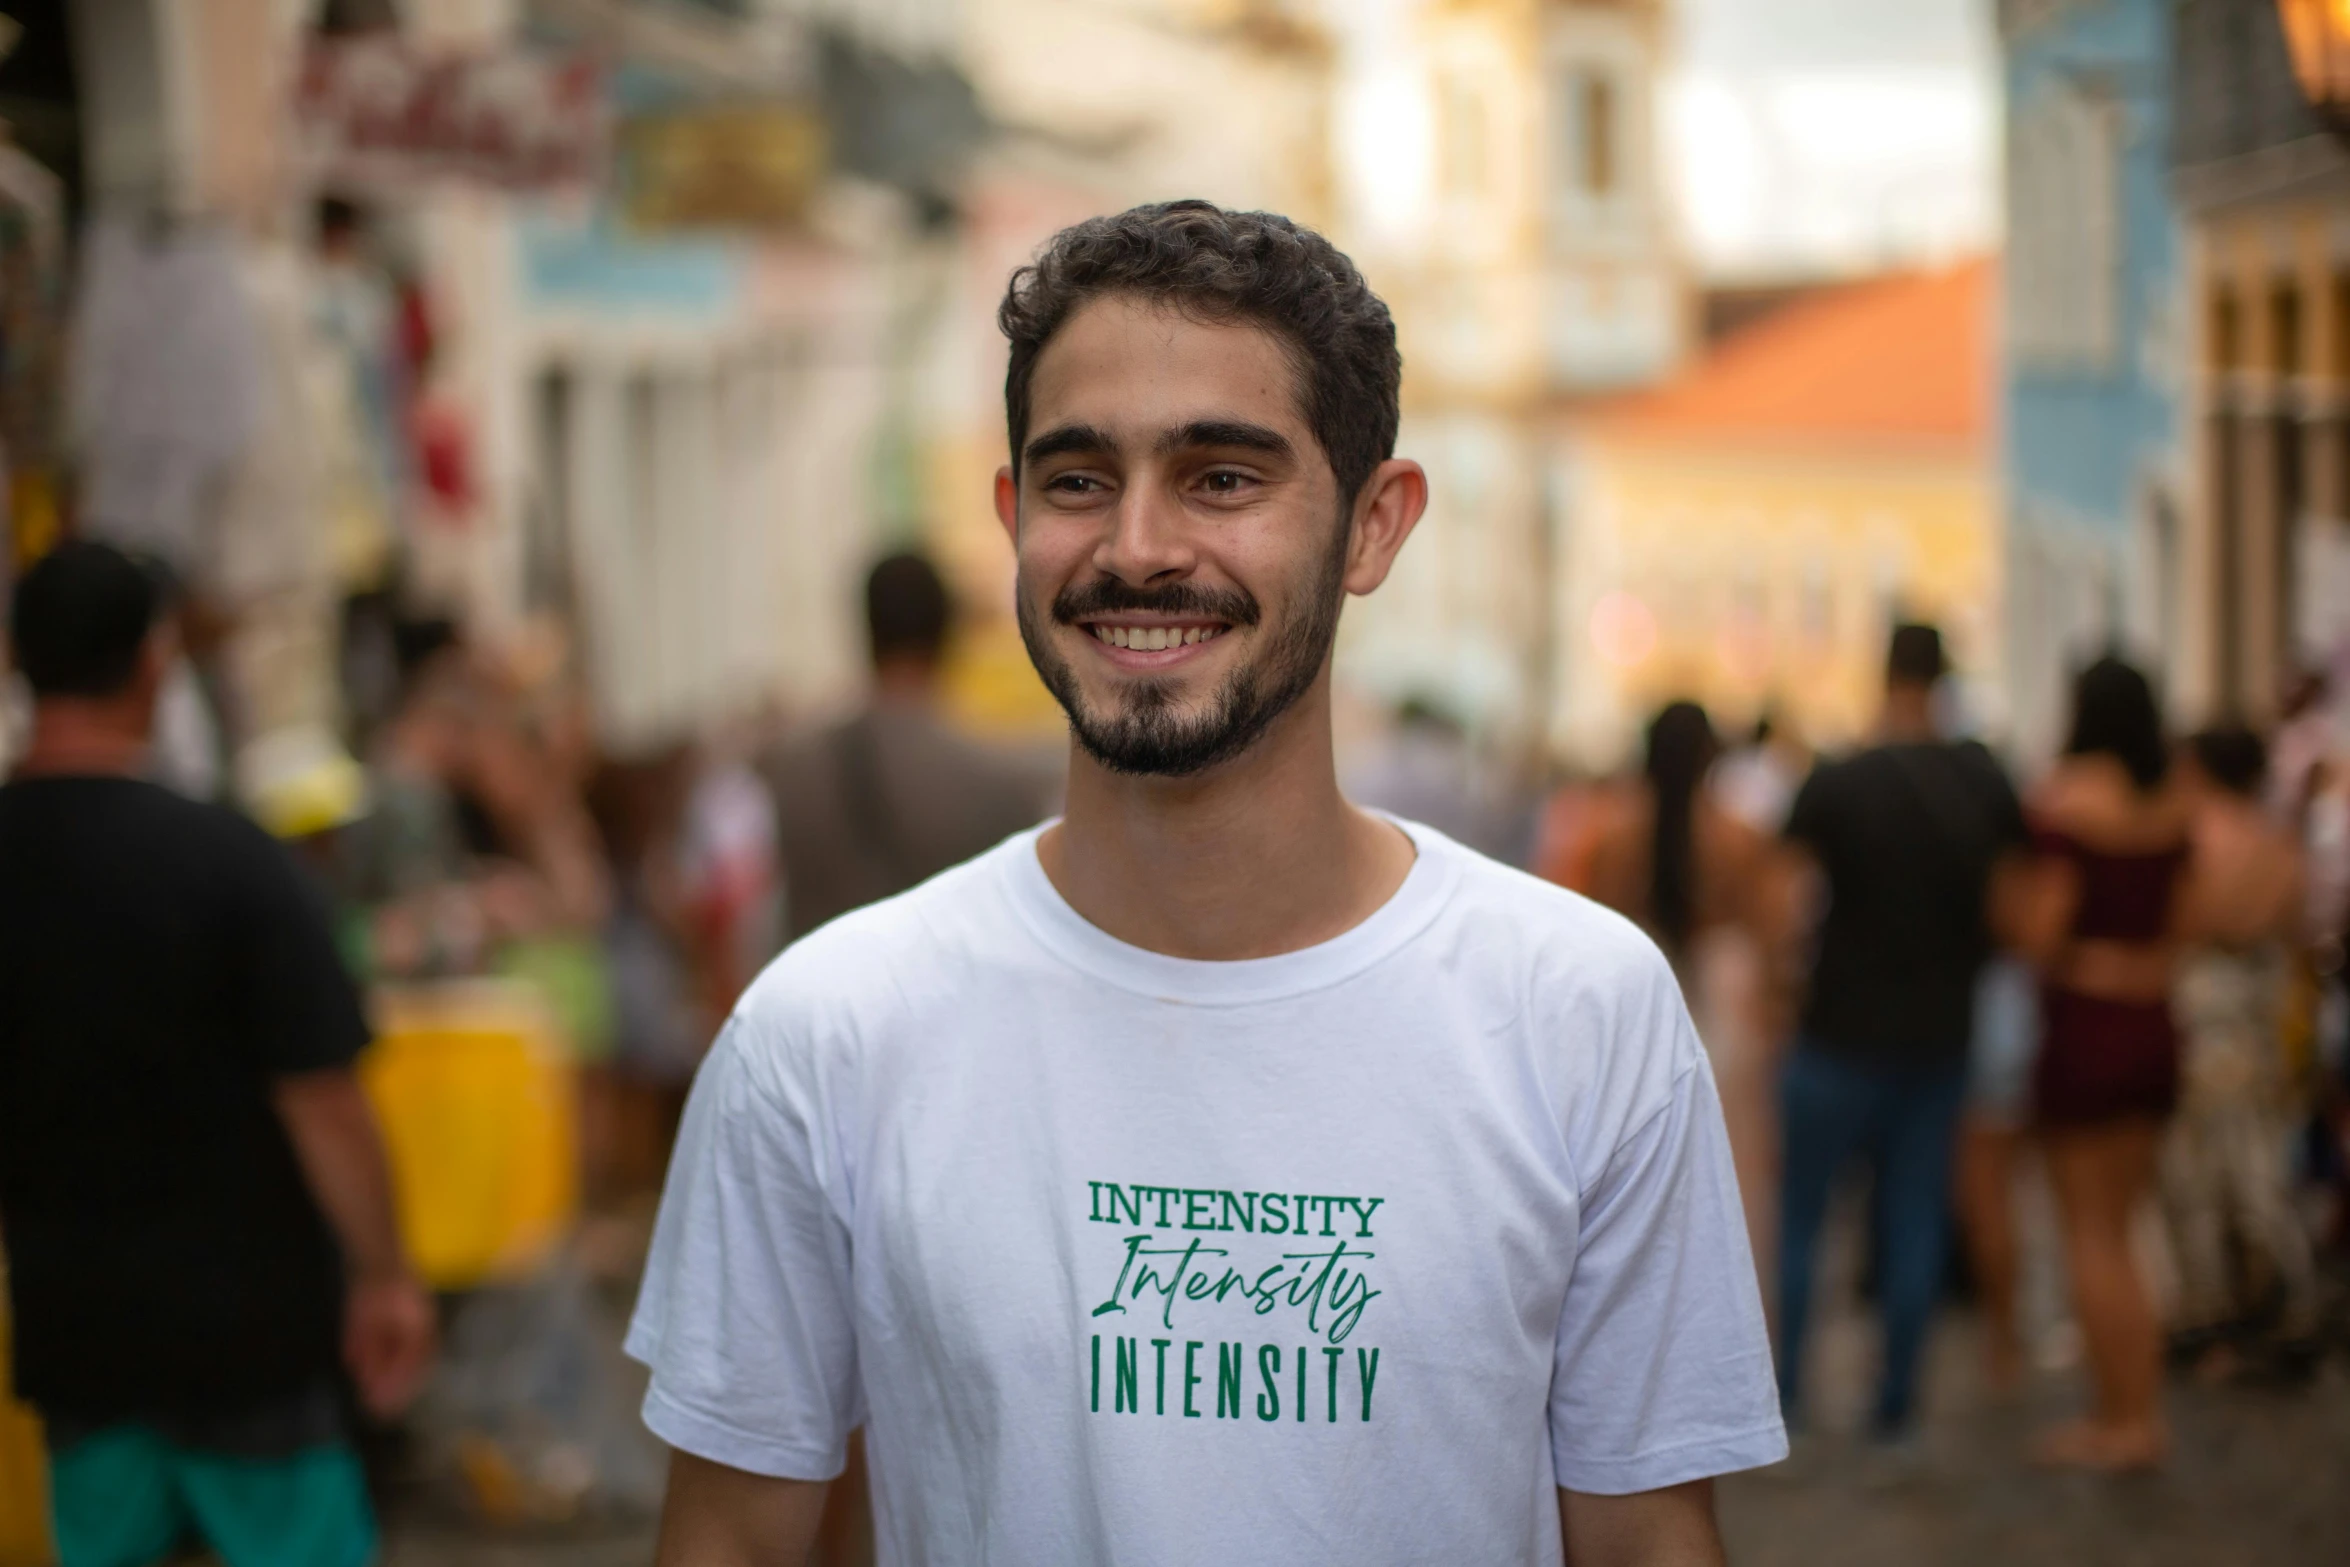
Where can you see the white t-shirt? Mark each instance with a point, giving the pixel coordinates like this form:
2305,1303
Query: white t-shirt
1356,1252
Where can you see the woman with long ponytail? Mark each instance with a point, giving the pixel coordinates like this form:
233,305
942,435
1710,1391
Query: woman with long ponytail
1681,750
1708,888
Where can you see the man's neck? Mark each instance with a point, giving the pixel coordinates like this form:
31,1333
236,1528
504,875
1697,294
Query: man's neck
84,739
905,680
1254,858
1908,717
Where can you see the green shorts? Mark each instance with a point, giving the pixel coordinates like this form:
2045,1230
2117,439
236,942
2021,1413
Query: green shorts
128,1497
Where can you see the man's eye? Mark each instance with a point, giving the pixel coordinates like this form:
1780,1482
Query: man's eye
1073,484
1225,482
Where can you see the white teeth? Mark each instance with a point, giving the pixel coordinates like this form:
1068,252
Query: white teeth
1153,639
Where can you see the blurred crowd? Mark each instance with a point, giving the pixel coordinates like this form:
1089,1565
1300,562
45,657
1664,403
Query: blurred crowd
2123,976
635,896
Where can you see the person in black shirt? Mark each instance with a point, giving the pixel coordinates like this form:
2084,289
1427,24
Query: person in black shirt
1906,836
193,1196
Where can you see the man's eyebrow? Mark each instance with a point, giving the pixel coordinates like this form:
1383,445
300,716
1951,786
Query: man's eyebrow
1227,432
1068,438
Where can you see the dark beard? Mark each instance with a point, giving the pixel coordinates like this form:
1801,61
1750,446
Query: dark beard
1149,738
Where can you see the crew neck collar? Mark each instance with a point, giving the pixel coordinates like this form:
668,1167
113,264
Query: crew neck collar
1085,946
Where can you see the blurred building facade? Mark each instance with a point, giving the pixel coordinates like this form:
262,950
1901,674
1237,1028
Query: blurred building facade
2094,470
656,275
1746,532
2264,190
1503,189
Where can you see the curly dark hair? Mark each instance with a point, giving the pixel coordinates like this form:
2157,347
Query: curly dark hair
1216,265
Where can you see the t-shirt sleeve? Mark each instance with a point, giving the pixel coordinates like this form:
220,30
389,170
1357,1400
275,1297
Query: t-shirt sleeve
1663,1372
745,1316
303,1012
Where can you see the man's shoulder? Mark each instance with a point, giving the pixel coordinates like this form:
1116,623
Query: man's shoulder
1564,945
130,808
1544,909
1598,1009
882,951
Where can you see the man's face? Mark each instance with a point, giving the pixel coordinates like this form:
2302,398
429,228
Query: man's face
1183,550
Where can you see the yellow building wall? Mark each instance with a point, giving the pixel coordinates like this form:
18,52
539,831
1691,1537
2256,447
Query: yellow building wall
1766,578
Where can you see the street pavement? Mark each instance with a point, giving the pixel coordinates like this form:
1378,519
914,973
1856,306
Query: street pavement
2258,1479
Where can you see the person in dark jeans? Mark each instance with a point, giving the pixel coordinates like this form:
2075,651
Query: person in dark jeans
1906,836
193,1192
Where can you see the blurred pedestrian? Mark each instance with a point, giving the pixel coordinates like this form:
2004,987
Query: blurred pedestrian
2224,1163
476,835
1666,851
1906,836
1991,1135
198,1214
2101,922
659,1027
893,795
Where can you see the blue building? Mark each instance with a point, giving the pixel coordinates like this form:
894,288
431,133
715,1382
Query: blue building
2094,470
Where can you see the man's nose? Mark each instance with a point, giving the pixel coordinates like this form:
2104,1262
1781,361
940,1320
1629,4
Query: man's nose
1147,537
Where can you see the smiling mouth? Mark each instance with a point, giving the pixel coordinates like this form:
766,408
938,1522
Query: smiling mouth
1153,639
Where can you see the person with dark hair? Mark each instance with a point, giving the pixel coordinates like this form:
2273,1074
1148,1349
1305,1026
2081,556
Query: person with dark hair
1906,836
889,797
2224,1163
2101,919
1705,884
1221,1172
1665,852
199,1218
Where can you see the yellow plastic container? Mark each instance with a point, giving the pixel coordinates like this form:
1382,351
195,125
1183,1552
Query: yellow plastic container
24,1469
479,1104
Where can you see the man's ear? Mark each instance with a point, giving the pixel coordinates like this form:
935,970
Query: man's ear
1391,504
1007,504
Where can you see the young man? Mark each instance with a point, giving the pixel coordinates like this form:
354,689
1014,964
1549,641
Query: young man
1906,835
1220,1174
197,1213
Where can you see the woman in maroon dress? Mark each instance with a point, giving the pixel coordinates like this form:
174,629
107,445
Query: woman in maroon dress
2102,920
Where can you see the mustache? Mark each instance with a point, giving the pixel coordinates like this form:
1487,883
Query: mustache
1108,595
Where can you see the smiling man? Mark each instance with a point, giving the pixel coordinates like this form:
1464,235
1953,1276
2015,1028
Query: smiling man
1222,1173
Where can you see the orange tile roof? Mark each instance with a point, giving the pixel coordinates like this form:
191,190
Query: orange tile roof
1903,359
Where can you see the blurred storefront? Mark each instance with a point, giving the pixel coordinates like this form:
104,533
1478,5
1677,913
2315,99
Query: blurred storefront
1745,533
2264,186
595,346
2092,462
